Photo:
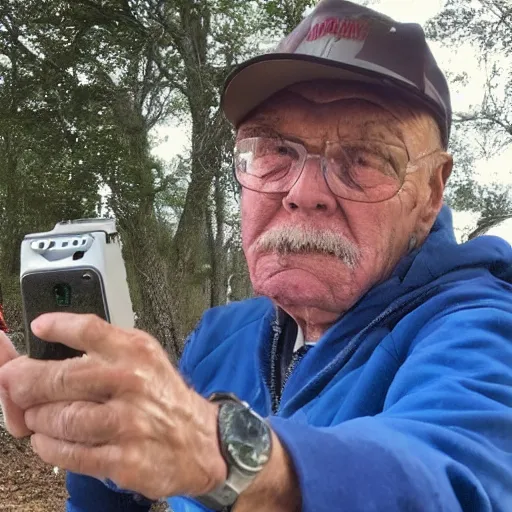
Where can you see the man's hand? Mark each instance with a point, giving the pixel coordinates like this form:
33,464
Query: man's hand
120,412
13,415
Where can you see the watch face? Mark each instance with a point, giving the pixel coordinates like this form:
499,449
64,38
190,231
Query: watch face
245,436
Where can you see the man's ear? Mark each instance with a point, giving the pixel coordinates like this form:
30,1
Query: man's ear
439,175
438,178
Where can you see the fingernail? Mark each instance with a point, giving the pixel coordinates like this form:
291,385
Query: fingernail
36,324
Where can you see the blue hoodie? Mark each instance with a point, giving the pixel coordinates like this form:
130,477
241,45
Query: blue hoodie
404,404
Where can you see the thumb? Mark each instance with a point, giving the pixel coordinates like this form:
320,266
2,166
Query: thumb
13,416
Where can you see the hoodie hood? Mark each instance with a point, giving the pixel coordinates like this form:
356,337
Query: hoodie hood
441,254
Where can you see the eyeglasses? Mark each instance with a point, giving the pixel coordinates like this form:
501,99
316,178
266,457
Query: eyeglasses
359,170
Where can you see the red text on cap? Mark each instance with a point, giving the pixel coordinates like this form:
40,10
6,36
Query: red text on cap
341,28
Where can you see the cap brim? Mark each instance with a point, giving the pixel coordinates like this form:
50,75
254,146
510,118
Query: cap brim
259,78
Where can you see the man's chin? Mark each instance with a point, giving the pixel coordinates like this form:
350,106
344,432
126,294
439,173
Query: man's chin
295,286
297,299
317,281
300,275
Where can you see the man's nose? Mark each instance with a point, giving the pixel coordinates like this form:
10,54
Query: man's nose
310,192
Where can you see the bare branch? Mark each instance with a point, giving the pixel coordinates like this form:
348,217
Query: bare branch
500,12
460,118
487,223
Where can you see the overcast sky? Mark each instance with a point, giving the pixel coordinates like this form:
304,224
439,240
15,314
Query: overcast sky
461,59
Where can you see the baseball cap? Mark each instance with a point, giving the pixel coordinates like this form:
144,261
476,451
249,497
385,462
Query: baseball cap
344,41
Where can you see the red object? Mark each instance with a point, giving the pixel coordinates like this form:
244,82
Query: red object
3,325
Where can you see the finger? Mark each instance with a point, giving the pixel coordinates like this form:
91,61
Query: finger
79,422
29,382
7,350
87,333
13,417
12,414
95,461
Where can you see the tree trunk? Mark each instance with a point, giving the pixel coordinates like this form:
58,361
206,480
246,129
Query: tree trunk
217,249
133,201
154,304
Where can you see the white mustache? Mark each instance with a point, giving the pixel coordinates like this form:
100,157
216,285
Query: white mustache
296,240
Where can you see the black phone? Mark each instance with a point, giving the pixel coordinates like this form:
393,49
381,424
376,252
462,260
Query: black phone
73,290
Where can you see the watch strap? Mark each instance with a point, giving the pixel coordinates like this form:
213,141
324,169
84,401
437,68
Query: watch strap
224,497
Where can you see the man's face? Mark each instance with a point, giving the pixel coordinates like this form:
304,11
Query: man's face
372,236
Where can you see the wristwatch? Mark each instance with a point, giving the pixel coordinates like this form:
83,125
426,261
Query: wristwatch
245,442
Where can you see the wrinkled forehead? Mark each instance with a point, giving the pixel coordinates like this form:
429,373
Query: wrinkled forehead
328,91
363,111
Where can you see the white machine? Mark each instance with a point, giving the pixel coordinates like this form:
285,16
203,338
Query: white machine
77,267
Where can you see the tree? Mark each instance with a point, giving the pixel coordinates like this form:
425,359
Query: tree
486,129
41,180
68,114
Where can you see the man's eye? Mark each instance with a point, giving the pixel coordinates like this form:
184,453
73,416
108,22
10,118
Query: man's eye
283,150
275,150
286,151
372,160
272,149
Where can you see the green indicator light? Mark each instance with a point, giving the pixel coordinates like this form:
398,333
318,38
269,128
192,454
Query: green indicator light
62,293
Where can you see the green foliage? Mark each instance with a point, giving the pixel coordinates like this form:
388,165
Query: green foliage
42,176
285,15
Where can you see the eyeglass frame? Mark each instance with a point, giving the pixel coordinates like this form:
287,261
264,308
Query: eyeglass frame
306,155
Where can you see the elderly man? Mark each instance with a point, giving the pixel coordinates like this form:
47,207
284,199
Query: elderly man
374,373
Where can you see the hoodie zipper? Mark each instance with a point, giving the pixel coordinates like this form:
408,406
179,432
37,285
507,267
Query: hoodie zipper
275,392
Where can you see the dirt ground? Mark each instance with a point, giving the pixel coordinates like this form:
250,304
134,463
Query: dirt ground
27,484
